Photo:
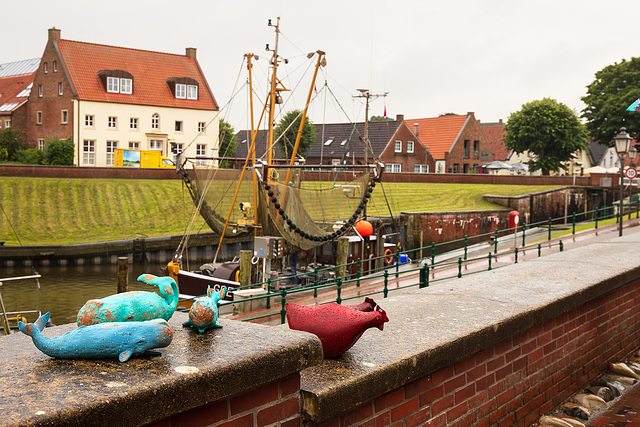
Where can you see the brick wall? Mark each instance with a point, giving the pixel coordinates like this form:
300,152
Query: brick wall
456,155
520,379
276,404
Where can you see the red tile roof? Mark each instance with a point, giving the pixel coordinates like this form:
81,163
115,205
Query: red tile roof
150,71
12,86
493,133
438,133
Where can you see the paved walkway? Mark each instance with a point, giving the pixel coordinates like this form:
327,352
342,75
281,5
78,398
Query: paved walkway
623,413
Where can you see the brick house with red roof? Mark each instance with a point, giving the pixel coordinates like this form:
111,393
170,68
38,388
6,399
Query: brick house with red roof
16,79
494,134
106,97
455,141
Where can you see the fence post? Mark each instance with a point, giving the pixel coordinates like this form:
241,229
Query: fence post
397,258
489,269
637,207
459,267
424,273
315,282
597,211
269,292
561,246
549,237
433,252
283,310
358,274
465,246
574,223
339,291
539,250
524,227
386,283
516,255
495,243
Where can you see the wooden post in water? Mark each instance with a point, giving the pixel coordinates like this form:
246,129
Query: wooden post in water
245,267
123,274
342,252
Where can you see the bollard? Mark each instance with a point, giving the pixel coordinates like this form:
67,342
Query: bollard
561,246
123,274
539,250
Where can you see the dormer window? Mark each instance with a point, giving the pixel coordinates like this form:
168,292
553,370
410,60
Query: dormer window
183,87
117,81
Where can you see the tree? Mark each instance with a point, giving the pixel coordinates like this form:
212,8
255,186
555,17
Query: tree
380,119
615,88
11,141
58,152
290,131
228,142
550,131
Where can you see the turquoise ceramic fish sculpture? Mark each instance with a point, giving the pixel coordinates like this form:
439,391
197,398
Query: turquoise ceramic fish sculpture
120,340
203,313
133,306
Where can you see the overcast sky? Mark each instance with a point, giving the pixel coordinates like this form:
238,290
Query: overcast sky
432,57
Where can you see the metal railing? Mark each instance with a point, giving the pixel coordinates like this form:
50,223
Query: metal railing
401,273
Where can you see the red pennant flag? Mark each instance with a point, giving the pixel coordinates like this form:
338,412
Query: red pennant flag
385,111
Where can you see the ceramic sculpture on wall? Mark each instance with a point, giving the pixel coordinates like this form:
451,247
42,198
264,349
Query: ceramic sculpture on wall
120,340
337,326
133,306
203,313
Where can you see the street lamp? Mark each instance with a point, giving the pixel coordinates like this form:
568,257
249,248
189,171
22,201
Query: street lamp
623,144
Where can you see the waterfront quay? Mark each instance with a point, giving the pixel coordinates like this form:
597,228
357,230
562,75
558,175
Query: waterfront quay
499,347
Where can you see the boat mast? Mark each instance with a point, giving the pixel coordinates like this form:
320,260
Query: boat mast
272,90
254,132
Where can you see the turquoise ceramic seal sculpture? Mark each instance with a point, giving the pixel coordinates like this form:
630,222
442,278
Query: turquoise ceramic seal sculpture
203,313
133,306
102,341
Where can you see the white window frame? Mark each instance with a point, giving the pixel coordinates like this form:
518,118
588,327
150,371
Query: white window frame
7,124
40,90
55,66
397,147
393,168
126,86
410,146
201,127
155,144
45,68
111,147
201,151
112,122
60,88
134,145
41,144
179,147
181,91
39,117
64,117
89,152
179,126
89,120
113,84
192,92
133,123
421,168
155,121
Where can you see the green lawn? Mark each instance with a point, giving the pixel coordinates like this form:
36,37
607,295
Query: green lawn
40,211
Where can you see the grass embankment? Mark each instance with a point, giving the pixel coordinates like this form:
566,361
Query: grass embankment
45,211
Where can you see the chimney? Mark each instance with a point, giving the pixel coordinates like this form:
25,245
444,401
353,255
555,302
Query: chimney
415,128
191,52
54,34
500,121
399,117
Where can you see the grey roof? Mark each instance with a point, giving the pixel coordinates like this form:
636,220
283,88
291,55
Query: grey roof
346,138
26,66
597,151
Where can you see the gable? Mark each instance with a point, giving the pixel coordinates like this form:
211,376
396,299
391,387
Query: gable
438,134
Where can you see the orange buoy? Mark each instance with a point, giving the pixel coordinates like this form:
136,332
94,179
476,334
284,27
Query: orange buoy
364,228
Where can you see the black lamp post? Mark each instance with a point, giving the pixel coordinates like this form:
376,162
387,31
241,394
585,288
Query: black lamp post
623,144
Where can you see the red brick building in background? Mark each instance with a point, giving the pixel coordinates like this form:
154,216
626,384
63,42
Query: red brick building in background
16,79
456,142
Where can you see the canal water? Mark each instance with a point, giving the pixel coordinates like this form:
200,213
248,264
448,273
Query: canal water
65,289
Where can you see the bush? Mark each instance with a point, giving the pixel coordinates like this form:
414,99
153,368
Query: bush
32,156
11,141
58,152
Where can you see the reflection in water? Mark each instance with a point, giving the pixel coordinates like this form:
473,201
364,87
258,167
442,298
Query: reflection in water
64,289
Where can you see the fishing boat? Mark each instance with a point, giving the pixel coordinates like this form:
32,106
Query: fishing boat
289,208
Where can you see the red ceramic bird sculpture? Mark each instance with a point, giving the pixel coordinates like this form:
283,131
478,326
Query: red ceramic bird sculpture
367,305
337,326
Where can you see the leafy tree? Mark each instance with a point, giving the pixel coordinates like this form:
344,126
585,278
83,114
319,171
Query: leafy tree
11,140
615,88
380,119
59,152
290,131
31,156
228,142
550,131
